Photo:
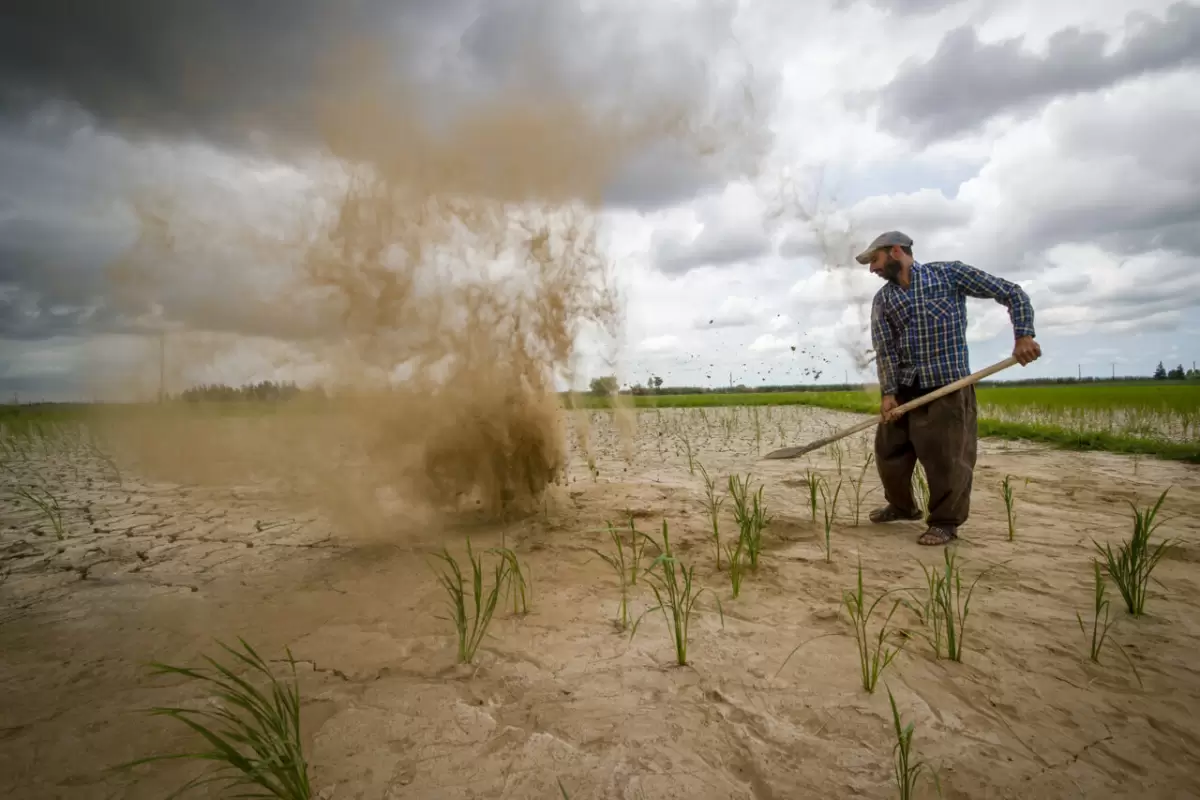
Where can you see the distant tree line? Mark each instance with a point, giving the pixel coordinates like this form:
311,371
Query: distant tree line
263,391
1161,373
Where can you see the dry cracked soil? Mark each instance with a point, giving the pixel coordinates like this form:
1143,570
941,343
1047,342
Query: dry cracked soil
770,705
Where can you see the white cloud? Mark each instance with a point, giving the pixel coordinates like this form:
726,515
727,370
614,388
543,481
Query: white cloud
771,343
659,344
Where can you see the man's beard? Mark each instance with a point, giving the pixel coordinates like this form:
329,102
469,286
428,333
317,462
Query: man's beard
891,270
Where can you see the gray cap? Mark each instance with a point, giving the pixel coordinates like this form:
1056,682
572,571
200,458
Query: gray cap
888,239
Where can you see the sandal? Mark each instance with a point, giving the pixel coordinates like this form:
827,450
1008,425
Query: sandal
890,513
938,534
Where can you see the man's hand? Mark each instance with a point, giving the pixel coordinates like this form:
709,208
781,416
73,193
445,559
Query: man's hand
1026,350
887,407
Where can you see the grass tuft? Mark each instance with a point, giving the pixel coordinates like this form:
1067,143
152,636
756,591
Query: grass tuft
626,569
1131,565
1006,492
712,507
948,608
472,628
254,739
906,770
47,503
874,653
676,593
829,513
1100,627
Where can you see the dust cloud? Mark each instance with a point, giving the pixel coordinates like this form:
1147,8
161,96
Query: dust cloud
433,272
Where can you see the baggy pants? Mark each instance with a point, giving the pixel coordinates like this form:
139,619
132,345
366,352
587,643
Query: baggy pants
941,435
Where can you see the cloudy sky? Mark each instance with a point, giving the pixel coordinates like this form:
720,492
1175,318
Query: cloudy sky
1049,142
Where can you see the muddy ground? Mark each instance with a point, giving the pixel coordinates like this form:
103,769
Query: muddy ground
153,570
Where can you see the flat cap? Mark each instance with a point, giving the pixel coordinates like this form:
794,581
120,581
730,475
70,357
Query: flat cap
887,239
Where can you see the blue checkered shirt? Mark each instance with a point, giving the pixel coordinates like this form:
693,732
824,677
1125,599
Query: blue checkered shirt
920,333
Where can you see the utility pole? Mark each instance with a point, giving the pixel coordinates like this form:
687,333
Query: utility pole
1080,367
1114,366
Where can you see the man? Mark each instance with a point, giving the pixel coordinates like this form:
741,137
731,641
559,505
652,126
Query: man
918,329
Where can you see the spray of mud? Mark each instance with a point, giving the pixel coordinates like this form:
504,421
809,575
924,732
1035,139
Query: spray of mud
435,277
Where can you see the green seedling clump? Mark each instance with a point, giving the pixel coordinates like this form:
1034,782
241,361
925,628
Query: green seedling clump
471,628
829,512
750,515
905,769
874,652
813,481
1006,492
947,606
625,567
1130,567
712,507
253,736
1101,623
676,594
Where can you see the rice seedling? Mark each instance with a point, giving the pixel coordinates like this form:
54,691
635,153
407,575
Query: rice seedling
921,489
623,569
1130,567
813,480
928,611
676,593
874,653
737,562
950,604
857,485
470,629
906,770
685,439
712,507
839,454
1006,492
253,735
757,429
519,583
1100,627
750,516
829,513
48,504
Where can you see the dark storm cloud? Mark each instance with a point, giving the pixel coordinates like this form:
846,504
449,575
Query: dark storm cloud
86,88
215,69
966,82
244,73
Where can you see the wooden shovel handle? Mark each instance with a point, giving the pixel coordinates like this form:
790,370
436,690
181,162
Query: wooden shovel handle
973,378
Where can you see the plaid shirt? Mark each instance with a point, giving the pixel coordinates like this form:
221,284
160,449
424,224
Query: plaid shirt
919,333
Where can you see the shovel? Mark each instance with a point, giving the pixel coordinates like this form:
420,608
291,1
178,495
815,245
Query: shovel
793,452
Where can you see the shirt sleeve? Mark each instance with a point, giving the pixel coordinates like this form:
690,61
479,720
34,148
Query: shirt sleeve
975,282
885,354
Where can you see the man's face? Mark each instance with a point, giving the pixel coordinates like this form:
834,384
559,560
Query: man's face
885,264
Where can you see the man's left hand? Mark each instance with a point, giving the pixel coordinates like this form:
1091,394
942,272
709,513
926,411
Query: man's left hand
1026,350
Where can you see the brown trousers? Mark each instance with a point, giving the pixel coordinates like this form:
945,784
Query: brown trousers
942,436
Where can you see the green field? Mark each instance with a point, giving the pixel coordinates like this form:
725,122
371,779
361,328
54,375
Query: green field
1152,417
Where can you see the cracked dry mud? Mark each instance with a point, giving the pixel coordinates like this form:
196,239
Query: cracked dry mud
153,571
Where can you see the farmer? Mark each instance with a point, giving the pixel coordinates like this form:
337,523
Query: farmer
918,329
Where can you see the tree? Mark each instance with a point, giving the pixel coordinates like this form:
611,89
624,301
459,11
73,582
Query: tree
656,382
1176,374
1160,372
605,386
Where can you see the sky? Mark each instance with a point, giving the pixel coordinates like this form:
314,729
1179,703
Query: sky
1049,143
